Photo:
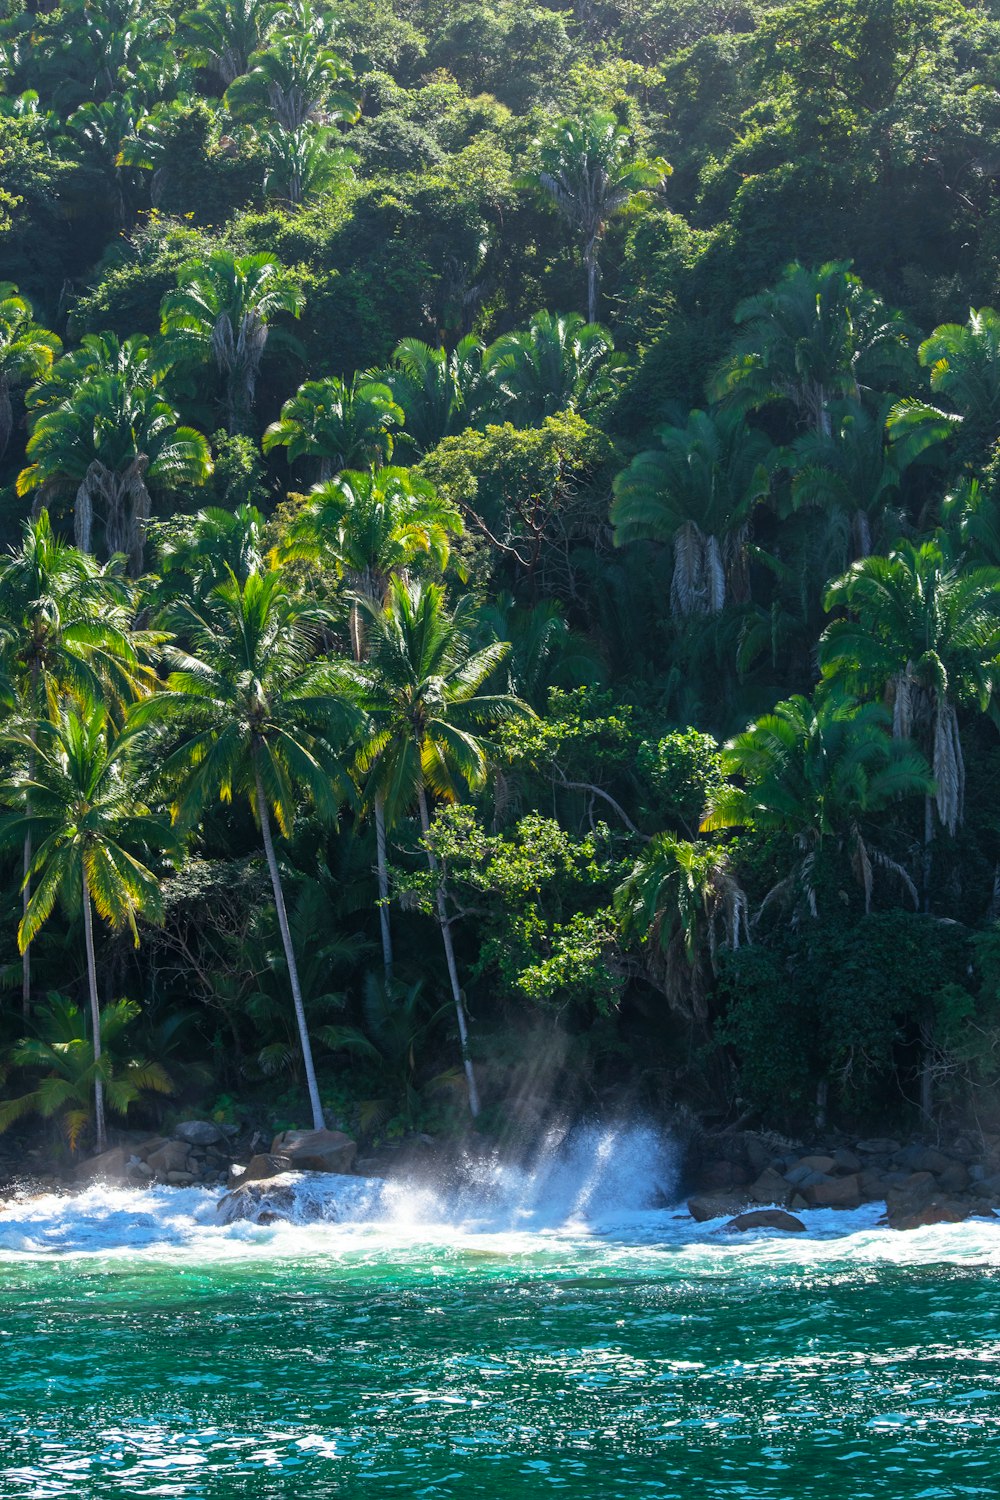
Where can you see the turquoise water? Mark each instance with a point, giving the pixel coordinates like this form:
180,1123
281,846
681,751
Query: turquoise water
144,1350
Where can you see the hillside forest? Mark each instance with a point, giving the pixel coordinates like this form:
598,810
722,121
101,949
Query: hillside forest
500,579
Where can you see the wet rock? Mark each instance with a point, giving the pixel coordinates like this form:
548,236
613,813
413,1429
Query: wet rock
705,1206
264,1202
767,1218
833,1192
713,1177
871,1185
316,1150
199,1132
265,1165
846,1161
758,1155
934,1210
181,1179
934,1161
770,1187
111,1166
173,1157
144,1149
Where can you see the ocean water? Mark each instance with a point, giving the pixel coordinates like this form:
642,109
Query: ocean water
548,1331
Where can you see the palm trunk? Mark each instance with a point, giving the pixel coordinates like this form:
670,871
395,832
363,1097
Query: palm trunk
449,953
26,886
383,888
593,277
293,970
95,1016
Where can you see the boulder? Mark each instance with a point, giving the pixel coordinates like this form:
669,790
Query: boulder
199,1132
909,1214
180,1179
824,1164
276,1198
846,1161
757,1154
111,1166
713,1176
705,1206
316,1150
878,1146
173,1157
933,1160
954,1178
767,1218
263,1166
770,1187
871,1185
833,1192
145,1149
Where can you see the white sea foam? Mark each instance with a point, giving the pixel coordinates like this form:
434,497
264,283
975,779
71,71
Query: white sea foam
599,1188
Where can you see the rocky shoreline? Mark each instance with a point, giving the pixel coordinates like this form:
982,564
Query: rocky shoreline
734,1175
749,1179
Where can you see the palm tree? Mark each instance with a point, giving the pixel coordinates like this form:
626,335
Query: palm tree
225,34
964,364
816,771
305,163
588,171
91,834
440,392
345,424
697,491
927,630
113,441
375,527
68,628
419,690
850,469
65,1055
558,364
296,82
220,313
256,717
26,352
817,337
201,551
680,901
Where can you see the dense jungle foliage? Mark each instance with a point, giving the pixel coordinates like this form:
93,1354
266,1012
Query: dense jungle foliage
500,602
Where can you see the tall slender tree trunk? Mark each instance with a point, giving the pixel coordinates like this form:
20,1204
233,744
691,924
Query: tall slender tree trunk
95,1015
593,278
26,886
444,923
293,969
383,888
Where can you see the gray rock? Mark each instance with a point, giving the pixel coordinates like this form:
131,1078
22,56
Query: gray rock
199,1132
767,1218
271,1200
316,1150
173,1157
846,1161
705,1206
877,1147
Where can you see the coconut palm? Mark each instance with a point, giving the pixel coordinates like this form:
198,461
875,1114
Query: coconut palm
440,391
346,424
67,622
65,1056
816,771
557,364
697,491
964,364
815,338
588,170
374,527
221,313
682,902
255,717
419,690
114,443
223,35
91,835
927,630
850,470
294,82
26,352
